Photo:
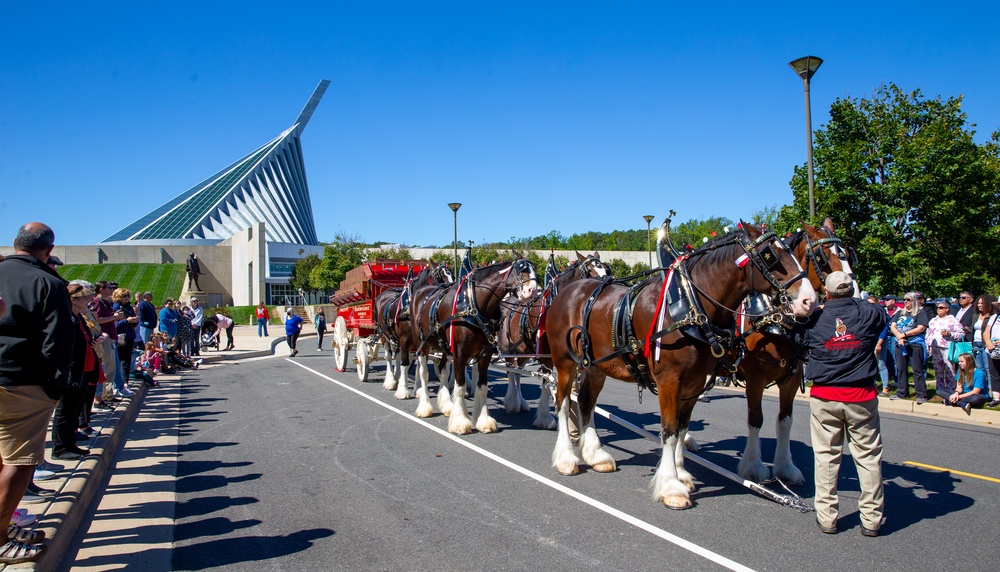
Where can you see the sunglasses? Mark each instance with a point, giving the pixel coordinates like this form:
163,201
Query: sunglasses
942,307
907,299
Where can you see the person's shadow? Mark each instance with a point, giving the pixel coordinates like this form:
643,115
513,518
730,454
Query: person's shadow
913,494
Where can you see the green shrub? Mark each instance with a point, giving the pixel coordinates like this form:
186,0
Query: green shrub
244,315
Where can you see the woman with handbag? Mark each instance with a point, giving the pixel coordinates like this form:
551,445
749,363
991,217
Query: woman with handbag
943,331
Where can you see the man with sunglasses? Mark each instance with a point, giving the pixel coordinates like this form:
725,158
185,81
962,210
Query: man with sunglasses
965,313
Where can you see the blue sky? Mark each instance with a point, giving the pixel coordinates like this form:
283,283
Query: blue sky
537,116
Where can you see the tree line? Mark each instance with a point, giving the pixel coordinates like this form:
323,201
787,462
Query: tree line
901,176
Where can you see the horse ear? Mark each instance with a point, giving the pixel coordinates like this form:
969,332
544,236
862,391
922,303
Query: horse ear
516,253
597,255
579,256
752,231
828,223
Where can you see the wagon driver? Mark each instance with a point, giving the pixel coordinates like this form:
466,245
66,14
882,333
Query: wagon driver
840,339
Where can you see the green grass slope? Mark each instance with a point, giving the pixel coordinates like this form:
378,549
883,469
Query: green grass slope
163,280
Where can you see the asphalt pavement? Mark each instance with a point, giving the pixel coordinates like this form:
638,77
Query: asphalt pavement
284,464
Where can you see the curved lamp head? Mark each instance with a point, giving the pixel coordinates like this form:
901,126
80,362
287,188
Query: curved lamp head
648,218
454,206
806,67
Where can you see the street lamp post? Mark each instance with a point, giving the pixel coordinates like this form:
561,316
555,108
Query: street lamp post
649,219
454,242
805,68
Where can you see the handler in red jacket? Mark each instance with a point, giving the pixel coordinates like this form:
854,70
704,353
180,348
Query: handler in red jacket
841,340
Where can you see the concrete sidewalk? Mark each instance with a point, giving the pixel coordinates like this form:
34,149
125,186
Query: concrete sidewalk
78,483
131,525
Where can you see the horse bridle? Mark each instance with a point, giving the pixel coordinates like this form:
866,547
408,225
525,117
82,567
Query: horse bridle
818,258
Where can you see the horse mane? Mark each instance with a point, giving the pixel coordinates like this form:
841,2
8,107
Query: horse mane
796,237
479,273
712,247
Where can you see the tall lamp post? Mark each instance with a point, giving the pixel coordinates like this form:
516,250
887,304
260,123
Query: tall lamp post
649,219
454,242
805,68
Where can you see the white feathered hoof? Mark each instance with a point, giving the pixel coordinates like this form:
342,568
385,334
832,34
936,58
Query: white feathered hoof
444,401
788,472
677,502
545,420
486,424
390,382
459,424
424,409
690,443
753,470
604,466
402,393
567,464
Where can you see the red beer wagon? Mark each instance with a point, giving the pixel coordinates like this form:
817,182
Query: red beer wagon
355,317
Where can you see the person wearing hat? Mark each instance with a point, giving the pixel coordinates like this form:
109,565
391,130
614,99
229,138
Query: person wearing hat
840,339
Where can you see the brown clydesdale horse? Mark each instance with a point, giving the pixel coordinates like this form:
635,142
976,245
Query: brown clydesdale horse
391,309
460,322
519,331
719,276
770,356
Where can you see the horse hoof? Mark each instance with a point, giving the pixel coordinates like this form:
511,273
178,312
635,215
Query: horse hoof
425,410
568,469
549,423
689,485
487,426
462,427
604,467
677,502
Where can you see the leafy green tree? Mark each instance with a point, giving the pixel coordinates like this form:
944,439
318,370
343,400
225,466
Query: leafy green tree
441,256
344,254
383,253
620,268
906,184
302,273
694,231
638,267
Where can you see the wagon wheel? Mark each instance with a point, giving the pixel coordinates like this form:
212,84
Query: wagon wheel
341,344
364,359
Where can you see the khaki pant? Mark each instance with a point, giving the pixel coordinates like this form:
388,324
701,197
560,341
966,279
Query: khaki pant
830,422
109,357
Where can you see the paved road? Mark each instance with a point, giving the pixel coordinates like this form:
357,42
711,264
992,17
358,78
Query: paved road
280,468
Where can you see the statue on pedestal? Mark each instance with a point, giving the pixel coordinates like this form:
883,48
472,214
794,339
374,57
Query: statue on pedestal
193,271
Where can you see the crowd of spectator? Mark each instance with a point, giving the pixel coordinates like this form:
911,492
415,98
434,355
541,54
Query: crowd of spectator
67,349
959,338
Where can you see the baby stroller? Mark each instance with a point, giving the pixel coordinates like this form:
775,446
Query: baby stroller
208,339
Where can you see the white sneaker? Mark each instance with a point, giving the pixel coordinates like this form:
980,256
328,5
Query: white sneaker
319,349
42,474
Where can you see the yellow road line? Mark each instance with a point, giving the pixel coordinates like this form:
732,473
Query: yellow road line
952,471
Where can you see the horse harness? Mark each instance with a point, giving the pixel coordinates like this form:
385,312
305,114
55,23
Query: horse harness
685,309
465,308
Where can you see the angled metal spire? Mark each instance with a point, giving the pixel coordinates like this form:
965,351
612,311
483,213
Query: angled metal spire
310,107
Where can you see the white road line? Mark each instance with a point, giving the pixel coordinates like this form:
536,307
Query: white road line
685,544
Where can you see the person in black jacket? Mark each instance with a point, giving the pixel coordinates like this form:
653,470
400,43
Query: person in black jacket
36,347
841,340
966,313
148,318
83,370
